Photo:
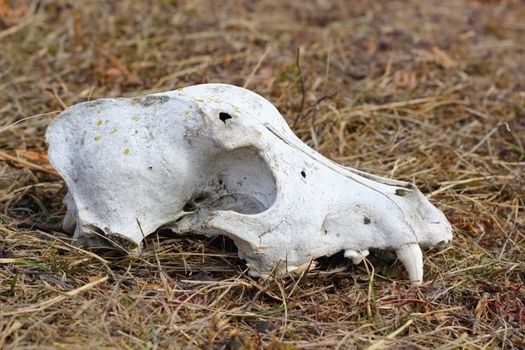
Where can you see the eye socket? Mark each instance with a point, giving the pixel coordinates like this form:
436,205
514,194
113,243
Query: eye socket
223,116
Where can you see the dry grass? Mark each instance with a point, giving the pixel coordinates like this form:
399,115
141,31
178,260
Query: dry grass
431,92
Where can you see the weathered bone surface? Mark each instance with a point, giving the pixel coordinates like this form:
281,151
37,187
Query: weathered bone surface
220,160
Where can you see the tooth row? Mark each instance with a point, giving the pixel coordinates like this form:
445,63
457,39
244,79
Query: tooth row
410,256
356,256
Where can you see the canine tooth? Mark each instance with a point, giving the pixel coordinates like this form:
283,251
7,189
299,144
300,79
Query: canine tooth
412,258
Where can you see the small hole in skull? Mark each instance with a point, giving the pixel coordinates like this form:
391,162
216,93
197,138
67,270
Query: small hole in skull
223,116
189,206
202,197
303,174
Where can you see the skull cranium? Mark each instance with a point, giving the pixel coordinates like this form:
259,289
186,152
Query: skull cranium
220,160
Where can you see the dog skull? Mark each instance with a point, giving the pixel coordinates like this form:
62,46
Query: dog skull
220,160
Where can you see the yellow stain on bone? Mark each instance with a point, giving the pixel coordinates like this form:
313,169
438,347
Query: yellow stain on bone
114,130
134,117
99,122
98,138
126,151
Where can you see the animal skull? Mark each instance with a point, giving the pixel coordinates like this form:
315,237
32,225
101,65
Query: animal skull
217,159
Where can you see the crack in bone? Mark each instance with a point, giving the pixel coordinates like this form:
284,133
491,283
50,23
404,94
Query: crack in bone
331,163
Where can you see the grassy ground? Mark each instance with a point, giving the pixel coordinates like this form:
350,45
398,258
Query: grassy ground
432,92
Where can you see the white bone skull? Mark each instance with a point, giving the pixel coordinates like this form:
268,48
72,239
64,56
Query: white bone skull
220,160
